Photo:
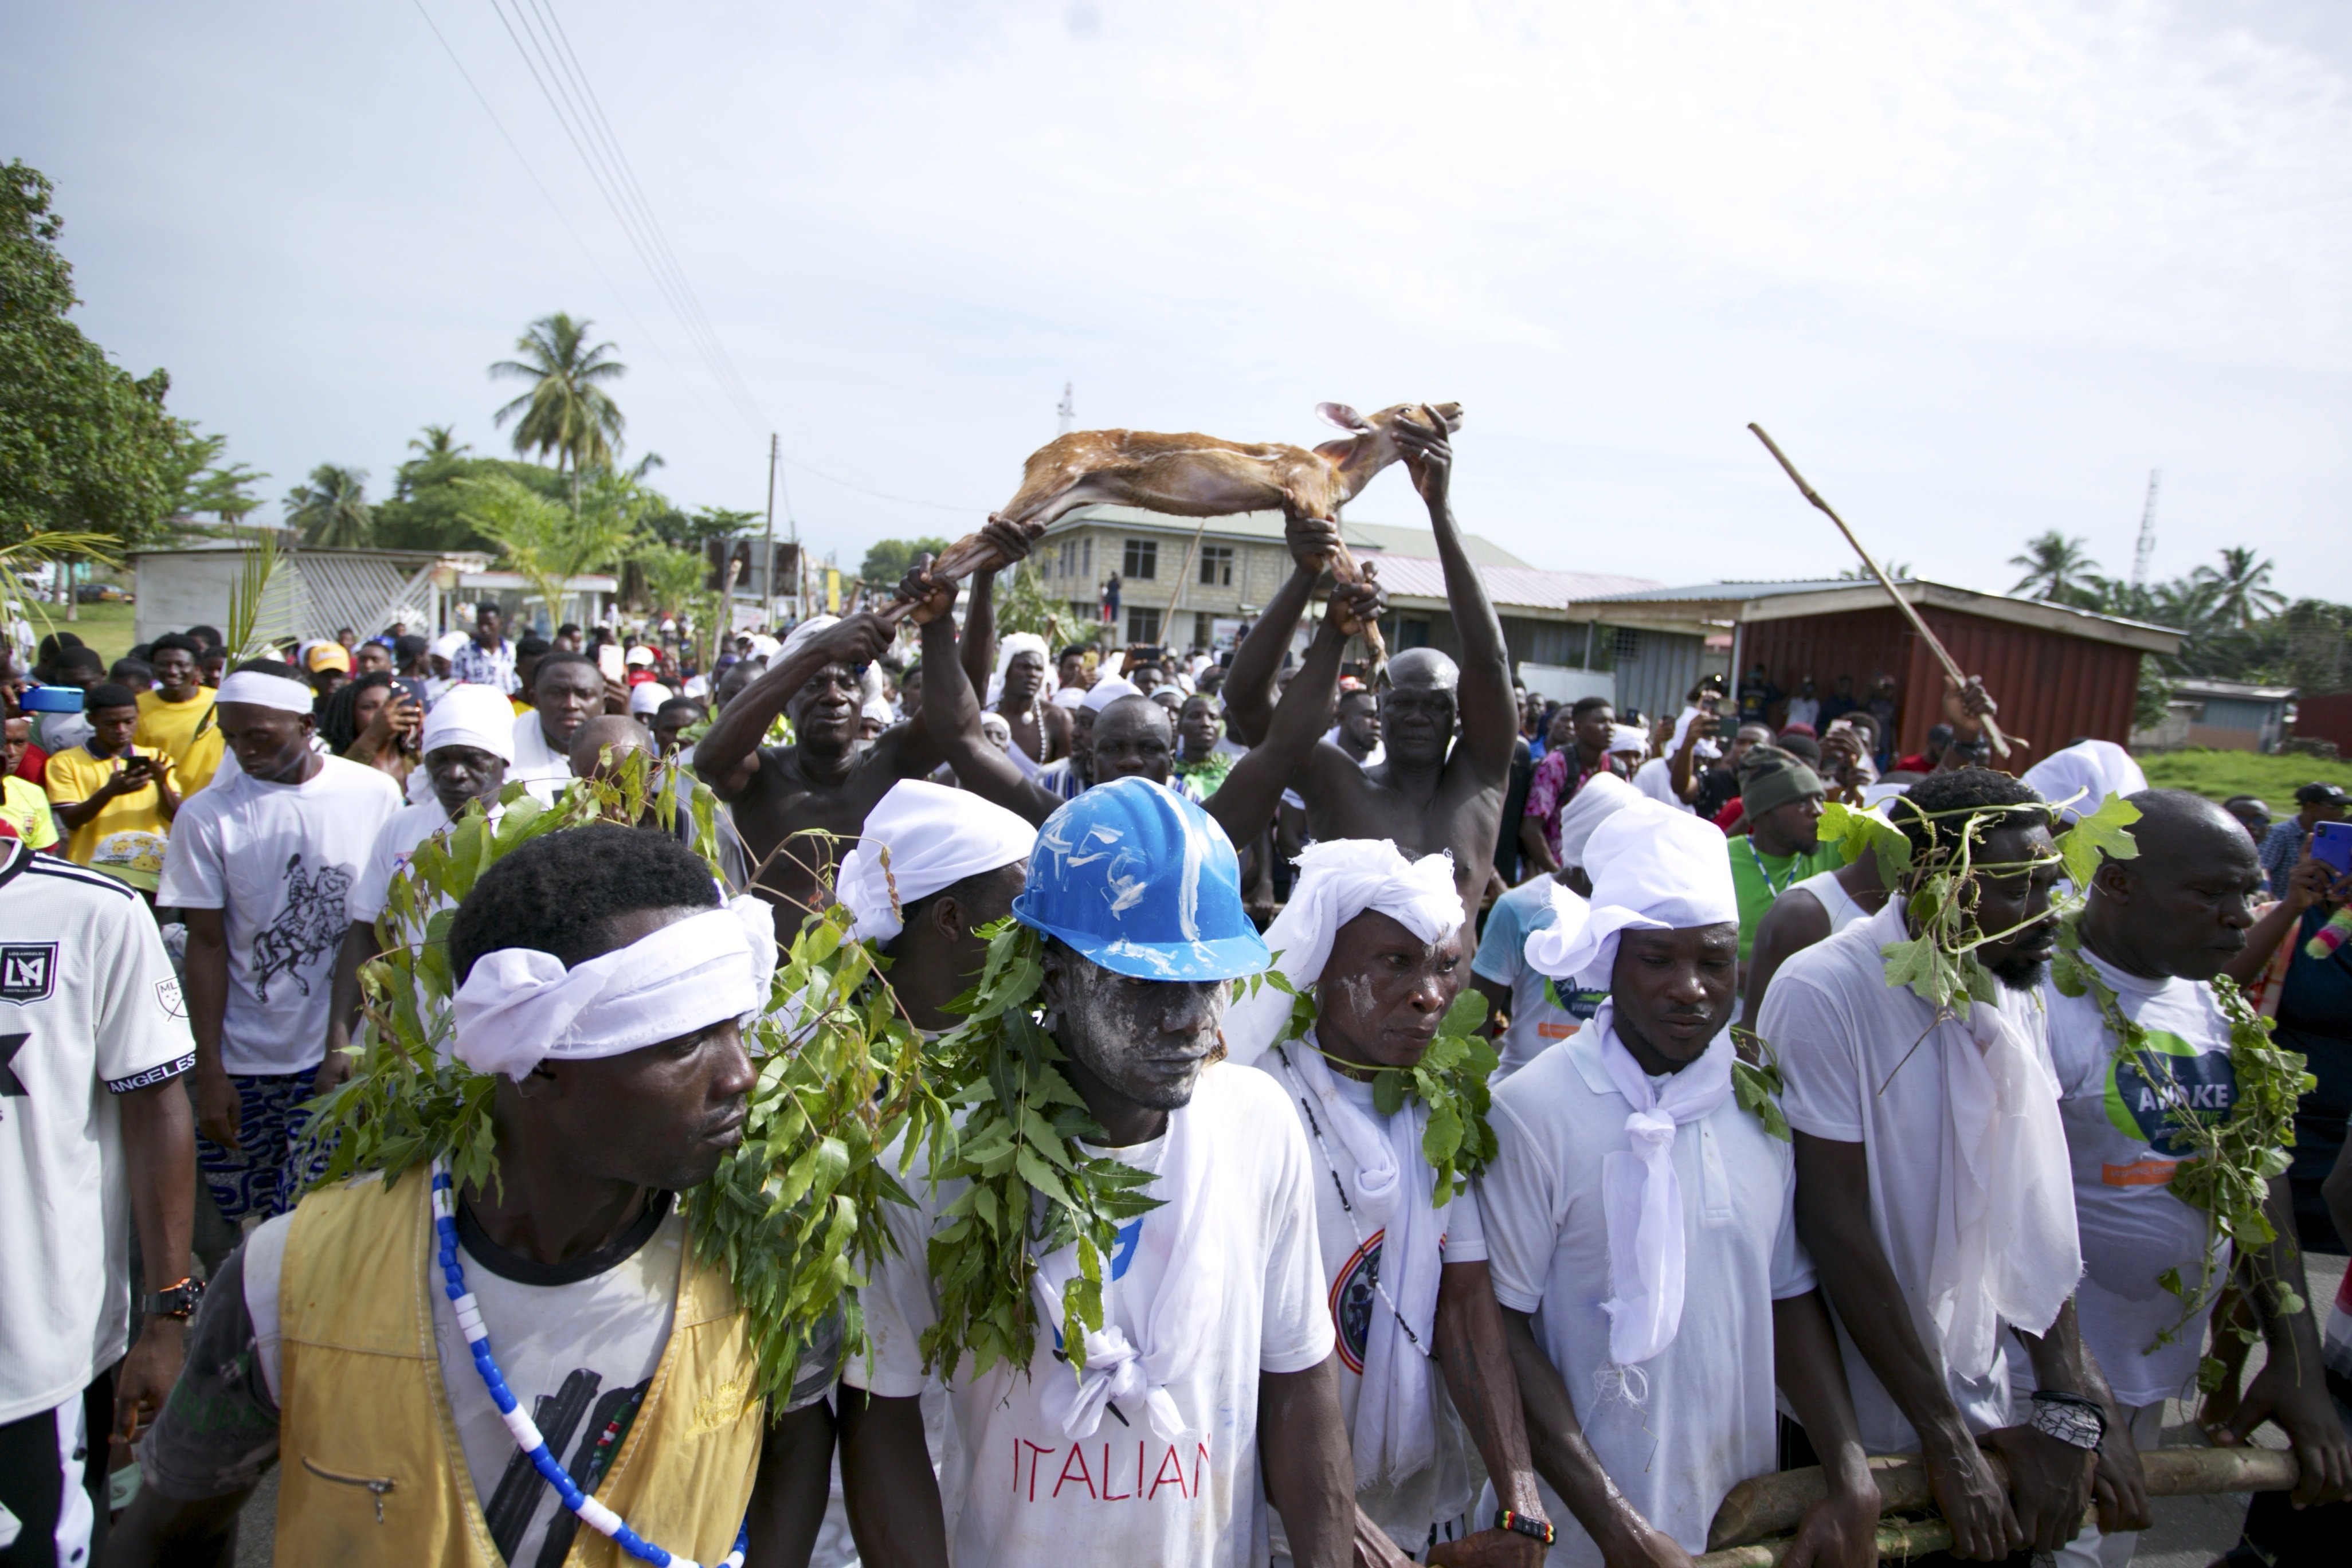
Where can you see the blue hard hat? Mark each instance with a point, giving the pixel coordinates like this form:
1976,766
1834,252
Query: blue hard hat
1138,879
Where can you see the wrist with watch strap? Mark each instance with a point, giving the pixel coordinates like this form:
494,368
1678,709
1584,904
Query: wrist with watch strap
2073,1419
178,1301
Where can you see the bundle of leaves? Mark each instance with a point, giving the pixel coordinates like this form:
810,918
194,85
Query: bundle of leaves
794,1213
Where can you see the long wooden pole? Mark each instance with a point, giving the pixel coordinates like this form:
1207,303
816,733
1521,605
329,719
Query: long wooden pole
1951,667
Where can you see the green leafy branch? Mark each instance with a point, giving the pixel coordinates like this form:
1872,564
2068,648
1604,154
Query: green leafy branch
1757,1082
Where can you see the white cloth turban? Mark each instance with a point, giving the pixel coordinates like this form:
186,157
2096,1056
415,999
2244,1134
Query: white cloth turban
918,838
1628,738
1337,880
1603,796
475,716
2084,773
1069,697
283,693
1652,868
1103,693
1019,643
801,634
519,1006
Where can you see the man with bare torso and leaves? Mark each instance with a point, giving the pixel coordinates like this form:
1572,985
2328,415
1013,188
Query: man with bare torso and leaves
1429,794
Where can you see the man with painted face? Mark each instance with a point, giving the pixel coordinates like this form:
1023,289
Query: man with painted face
932,868
1214,1323
262,862
1932,1185
1429,794
1425,1375
178,718
2156,929
1625,1162
468,741
605,988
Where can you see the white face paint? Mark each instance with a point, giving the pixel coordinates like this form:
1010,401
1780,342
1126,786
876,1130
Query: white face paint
1146,1040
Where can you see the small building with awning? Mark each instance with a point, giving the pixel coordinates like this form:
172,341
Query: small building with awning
2060,674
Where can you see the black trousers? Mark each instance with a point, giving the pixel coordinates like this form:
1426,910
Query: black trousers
34,1479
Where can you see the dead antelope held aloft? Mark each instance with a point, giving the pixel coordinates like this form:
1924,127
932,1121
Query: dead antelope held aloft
1193,475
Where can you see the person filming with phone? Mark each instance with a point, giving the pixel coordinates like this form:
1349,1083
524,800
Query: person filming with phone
107,785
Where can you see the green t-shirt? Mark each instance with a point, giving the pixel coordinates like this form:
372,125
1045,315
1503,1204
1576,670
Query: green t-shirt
1758,879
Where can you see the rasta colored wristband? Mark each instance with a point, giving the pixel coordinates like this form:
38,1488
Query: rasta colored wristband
1521,1524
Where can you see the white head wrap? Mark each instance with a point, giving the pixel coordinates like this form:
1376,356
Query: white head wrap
646,697
1628,738
475,716
519,1006
918,838
1603,796
999,731
1651,868
447,644
1337,880
800,634
2084,773
1069,697
1017,643
282,692
1104,692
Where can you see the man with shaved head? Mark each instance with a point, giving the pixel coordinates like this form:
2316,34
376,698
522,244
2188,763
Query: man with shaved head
2155,930
1428,794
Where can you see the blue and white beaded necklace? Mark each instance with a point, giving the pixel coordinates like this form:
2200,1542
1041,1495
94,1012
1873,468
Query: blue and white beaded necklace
592,1513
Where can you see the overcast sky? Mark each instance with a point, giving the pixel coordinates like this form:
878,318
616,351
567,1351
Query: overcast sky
1979,266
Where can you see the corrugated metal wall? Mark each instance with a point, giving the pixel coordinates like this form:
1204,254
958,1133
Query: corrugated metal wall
2053,688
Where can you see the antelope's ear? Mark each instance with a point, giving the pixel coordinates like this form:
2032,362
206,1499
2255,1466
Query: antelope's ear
1340,414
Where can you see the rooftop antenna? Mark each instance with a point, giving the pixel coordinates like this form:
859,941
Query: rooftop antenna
2146,546
1068,411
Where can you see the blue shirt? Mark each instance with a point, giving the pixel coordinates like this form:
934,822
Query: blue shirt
2281,850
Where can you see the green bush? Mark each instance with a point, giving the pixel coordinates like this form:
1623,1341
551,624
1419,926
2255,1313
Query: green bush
2220,774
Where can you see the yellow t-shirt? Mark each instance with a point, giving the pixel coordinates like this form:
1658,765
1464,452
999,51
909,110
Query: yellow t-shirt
25,808
172,727
75,776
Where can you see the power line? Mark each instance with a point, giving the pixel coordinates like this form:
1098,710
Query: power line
881,495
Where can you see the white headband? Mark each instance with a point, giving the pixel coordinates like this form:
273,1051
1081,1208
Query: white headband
1652,868
281,692
1337,880
918,838
519,1006
475,716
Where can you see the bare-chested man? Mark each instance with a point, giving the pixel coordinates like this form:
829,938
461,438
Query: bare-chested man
826,780
1419,797
1040,729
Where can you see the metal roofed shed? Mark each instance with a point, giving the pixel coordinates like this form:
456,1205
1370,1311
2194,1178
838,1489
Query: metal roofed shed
312,593
2224,716
2060,674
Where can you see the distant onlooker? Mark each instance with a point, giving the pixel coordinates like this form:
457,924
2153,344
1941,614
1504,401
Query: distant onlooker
1939,740
486,658
329,665
1758,696
24,805
81,669
1841,702
2253,815
1805,707
262,865
568,691
528,651
107,785
176,718
2314,804
673,718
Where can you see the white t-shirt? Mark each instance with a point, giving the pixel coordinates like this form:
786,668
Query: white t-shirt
401,833
1352,1264
88,1003
2133,1228
1656,778
1804,710
1825,889
1017,1490
1840,1030
1544,1011
1708,1417
280,860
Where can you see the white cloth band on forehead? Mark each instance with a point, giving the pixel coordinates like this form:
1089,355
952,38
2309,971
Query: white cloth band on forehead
933,837
278,691
519,1006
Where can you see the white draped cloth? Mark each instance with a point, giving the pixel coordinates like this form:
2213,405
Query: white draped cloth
2078,778
1651,868
918,838
2006,1247
1640,1196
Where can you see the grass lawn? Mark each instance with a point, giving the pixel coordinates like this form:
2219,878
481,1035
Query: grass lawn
2221,774
106,628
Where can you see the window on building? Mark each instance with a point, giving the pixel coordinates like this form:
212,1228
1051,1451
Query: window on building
1142,625
1087,551
1217,565
1628,642
1069,557
1202,631
1142,559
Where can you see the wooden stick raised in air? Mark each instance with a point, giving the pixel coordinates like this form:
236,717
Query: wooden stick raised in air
1991,730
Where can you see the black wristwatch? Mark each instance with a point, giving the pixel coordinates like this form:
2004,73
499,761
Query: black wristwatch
178,1302
1521,1524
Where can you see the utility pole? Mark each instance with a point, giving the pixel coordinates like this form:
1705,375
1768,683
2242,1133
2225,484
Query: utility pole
768,570
1068,410
2146,549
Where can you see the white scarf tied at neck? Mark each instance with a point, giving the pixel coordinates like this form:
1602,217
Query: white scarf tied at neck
1179,1323
1642,1196
1393,1435
2007,1249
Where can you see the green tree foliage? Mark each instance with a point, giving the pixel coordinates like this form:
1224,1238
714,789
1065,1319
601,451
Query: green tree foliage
548,541
887,561
330,507
439,441
427,506
202,487
2056,567
84,447
694,531
567,412
2240,589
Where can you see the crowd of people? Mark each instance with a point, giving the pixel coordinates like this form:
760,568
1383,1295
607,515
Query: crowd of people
1700,1194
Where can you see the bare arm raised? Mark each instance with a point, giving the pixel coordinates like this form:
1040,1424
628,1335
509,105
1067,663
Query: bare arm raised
1244,804
1489,712
728,756
1249,685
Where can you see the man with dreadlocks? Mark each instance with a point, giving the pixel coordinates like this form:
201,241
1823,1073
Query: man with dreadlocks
1933,1188
1378,938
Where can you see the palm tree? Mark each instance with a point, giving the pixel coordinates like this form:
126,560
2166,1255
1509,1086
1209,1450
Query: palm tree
549,543
2056,567
439,441
332,507
2240,590
567,412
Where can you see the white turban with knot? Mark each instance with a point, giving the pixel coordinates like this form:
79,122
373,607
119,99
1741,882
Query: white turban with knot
1651,868
519,1006
918,838
1020,643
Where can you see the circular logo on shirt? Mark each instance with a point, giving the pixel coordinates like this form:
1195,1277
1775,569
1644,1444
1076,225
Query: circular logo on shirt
2147,1104
1355,1295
